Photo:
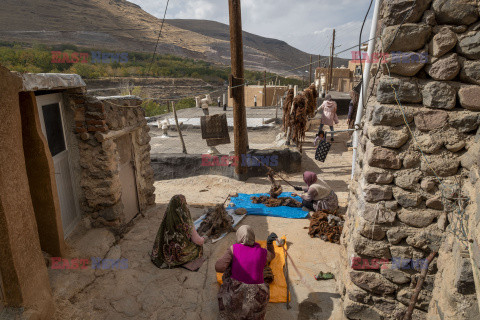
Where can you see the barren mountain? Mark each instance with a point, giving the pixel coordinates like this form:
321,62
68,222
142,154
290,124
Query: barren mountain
118,25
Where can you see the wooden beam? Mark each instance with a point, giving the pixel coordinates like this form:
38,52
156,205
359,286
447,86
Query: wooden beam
237,83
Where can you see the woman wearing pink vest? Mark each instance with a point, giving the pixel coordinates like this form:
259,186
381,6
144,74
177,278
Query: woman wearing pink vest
244,294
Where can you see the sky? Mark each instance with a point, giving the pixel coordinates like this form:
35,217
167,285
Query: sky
303,24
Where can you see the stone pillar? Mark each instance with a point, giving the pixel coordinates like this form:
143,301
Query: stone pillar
403,200
22,267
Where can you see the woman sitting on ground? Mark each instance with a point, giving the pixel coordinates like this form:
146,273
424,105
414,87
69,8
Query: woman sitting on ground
177,241
318,194
244,293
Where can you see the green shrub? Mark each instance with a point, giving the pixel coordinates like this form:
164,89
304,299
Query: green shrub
37,58
152,108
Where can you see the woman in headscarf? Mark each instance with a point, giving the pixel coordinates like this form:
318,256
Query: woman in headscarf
329,114
177,241
317,195
244,295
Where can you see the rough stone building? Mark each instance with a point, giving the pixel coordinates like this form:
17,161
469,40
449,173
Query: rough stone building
65,156
342,79
255,93
354,66
417,192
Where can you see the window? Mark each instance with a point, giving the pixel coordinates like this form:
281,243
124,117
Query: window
358,70
53,128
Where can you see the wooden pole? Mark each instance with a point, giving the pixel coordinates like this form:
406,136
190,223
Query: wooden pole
330,70
421,279
178,128
265,88
286,276
237,84
310,79
319,58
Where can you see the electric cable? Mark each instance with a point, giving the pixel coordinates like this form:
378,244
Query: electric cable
158,39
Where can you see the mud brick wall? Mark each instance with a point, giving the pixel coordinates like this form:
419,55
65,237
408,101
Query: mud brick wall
399,208
98,123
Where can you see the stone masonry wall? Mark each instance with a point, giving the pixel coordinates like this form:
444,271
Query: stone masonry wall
98,122
400,209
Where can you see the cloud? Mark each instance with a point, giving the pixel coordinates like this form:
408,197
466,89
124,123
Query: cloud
306,24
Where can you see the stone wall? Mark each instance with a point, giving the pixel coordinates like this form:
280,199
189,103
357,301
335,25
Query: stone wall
403,201
24,276
98,122
175,166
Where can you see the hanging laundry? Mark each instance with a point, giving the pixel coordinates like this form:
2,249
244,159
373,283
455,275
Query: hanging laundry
322,150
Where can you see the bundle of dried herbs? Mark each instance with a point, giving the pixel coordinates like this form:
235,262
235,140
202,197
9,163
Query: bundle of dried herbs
276,202
287,105
325,226
311,96
276,188
298,120
216,222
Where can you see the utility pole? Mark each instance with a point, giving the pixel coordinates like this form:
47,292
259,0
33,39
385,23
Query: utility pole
330,71
310,79
237,85
319,58
265,89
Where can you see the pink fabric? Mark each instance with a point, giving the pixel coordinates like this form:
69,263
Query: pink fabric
248,263
329,112
309,177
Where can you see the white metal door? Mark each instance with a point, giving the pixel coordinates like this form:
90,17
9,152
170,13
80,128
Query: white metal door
50,108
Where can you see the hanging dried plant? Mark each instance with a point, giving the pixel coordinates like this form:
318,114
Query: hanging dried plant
311,95
287,105
298,120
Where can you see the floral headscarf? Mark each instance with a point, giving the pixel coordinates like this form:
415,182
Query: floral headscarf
173,245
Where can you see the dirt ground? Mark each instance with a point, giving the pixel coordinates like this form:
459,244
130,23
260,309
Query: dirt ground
145,292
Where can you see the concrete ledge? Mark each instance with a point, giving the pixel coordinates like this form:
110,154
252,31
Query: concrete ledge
50,81
126,101
174,166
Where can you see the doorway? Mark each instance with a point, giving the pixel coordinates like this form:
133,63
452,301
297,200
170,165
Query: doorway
127,176
51,114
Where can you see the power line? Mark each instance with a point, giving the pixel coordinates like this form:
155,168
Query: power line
302,66
360,50
158,39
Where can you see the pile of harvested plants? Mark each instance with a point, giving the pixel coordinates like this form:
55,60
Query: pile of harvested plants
216,222
276,188
298,120
287,105
311,95
277,202
326,226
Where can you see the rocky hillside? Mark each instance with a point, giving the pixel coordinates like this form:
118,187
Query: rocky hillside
118,25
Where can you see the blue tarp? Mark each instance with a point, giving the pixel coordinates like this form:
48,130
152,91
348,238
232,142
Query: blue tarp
243,201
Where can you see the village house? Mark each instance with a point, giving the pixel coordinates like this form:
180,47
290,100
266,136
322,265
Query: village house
342,79
66,157
254,96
